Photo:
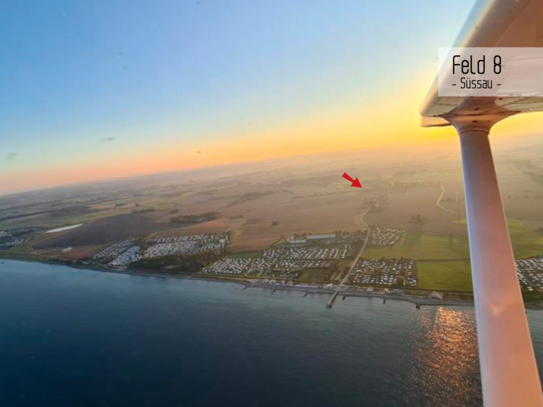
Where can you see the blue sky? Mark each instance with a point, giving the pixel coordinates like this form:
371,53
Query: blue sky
86,81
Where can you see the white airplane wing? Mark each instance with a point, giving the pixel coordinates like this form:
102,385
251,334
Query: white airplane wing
508,368
491,23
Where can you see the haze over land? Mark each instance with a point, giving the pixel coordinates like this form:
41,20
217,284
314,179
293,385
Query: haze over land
260,203
173,185
97,92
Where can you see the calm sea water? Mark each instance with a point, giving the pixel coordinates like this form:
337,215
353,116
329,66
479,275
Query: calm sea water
73,337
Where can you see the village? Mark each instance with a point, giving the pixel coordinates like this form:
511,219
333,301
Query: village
323,260
124,253
15,237
385,272
530,273
318,259
315,260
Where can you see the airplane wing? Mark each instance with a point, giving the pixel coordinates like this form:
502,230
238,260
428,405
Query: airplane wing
491,23
508,367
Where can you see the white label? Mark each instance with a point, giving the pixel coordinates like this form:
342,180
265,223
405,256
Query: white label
490,72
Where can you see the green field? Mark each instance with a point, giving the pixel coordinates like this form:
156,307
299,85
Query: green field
443,262
252,255
419,246
527,242
315,275
445,275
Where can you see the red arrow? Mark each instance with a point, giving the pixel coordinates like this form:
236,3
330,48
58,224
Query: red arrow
355,182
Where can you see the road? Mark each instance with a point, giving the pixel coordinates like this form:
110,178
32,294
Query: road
348,274
438,203
360,219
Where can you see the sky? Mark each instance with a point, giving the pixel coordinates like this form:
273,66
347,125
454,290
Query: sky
112,88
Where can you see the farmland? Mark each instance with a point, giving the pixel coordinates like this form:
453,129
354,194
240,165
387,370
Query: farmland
419,246
258,205
452,275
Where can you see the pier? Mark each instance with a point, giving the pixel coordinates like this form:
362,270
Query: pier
330,303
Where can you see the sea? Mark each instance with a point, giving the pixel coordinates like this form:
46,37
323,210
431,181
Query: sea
75,338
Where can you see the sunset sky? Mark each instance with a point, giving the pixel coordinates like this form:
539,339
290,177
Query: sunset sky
98,89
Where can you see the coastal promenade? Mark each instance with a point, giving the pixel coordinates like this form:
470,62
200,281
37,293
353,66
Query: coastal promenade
354,292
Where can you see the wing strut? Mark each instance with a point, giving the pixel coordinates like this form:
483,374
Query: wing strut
508,367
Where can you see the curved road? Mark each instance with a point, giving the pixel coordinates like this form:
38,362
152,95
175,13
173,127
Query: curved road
438,203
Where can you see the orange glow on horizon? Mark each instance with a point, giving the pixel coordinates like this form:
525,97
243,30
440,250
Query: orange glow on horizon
391,121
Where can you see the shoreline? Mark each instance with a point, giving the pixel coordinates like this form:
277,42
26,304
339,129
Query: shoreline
132,272
349,291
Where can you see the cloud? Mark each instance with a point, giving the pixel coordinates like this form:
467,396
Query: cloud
11,156
108,139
